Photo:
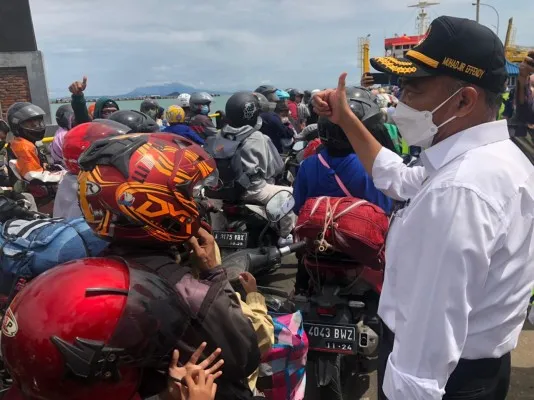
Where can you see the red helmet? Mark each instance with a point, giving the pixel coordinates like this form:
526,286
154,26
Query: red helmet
86,329
138,188
79,138
311,148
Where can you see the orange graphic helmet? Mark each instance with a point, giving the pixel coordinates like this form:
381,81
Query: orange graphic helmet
138,188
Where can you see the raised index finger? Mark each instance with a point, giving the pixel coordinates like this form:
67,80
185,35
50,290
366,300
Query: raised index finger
84,81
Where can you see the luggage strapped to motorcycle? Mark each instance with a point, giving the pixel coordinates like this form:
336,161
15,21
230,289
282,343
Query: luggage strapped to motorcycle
16,229
322,244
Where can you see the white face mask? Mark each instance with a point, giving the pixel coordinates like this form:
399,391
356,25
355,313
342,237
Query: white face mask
417,127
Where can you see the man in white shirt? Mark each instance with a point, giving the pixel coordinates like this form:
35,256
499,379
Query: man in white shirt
459,257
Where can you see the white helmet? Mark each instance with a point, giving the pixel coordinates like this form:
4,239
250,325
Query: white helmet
183,100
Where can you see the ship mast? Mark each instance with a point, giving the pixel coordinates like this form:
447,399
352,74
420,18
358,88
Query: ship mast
422,17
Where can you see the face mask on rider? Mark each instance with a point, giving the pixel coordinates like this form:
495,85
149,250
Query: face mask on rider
417,127
204,109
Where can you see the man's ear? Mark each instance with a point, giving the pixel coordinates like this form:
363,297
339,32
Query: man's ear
469,97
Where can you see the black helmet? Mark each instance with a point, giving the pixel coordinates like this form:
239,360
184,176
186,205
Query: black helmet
269,92
265,105
293,93
242,108
149,107
65,116
135,120
363,106
332,136
19,113
200,99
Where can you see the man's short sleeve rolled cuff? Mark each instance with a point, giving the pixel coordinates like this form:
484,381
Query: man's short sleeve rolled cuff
400,386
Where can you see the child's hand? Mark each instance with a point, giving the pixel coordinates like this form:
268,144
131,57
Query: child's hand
178,373
200,387
248,282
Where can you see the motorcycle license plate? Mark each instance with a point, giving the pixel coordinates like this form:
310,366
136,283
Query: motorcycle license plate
337,338
231,240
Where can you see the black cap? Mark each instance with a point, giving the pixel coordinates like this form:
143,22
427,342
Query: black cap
456,47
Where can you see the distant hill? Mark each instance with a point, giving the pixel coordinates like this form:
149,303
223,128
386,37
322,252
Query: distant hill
166,90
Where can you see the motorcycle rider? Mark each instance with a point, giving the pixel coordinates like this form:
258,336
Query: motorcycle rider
175,116
150,107
199,103
76,141
104,106
26,122
272,125
260,160
136,190
75,353
65,121
183,101
315,178
295,98
336,164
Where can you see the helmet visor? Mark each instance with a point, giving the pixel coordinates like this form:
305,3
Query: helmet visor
36,124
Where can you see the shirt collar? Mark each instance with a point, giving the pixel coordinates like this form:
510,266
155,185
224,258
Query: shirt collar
454,146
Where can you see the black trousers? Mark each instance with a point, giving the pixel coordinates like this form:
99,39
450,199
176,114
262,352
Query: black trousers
484,379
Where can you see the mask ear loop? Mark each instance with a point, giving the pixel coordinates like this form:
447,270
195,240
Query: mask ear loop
445,102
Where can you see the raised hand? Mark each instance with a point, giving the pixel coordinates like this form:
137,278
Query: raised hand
332,103
78,87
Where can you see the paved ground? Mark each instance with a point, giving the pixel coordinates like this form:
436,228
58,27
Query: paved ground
364,387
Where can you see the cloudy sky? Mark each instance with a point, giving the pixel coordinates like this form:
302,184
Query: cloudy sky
229,44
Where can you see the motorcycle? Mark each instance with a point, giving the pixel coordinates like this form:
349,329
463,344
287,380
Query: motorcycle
263,259
291,164
240,226
339,313
341,320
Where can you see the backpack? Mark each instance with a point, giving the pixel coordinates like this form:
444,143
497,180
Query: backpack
29,248
215,317
283,369
348,225
227,155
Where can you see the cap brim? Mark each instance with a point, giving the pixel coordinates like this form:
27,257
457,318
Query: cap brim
401,67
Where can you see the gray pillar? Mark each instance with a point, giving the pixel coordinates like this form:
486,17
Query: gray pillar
22,74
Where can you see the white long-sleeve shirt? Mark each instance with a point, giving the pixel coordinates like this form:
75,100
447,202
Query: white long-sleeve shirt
459,259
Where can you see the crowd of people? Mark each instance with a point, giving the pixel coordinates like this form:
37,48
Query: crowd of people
430,153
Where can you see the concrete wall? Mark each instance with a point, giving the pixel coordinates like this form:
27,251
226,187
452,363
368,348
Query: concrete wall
12,64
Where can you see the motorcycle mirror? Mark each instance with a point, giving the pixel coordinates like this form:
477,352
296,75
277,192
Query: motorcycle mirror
279,205
299,146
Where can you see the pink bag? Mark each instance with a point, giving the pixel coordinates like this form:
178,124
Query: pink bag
283,369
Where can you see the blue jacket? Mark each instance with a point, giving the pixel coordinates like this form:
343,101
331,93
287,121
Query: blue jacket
314,180
273,127
185,131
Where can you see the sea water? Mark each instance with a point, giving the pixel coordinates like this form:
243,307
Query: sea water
219,103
